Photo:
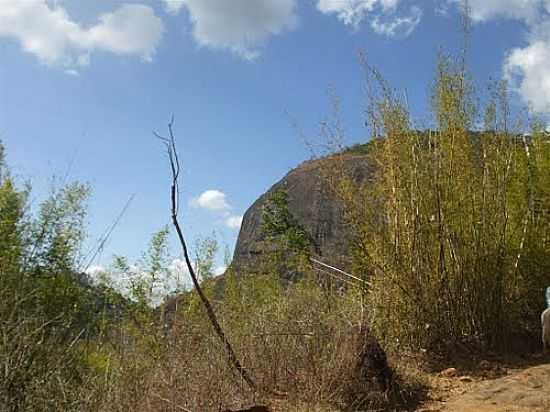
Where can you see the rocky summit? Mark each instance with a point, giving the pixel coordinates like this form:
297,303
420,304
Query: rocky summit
312,204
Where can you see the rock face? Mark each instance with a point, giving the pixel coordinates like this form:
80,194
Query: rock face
312,204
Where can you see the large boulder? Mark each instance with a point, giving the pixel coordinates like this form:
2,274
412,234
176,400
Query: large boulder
312,204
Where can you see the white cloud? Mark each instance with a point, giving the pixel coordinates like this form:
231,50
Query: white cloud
45,30
131,29
179,275
240,26
352,12
527,68
213,200
220,270
397,26
216,201
483,10
95,270
175,278
234,222
384,15
173,6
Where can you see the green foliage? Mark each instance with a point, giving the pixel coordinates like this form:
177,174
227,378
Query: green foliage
157,255
452,229
155,265
279,224
452,232
206,250
295,339
145,281
56,235
44,309
287,245
12,205
358,149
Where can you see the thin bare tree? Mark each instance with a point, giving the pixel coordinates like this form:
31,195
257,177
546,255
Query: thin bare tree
170,143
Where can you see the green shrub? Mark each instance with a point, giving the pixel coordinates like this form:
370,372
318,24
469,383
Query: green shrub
452,229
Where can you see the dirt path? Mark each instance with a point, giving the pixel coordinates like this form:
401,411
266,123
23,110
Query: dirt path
519,390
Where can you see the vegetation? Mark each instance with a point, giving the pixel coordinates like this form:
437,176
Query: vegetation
68,345
44,311
451,236
452,230
287,245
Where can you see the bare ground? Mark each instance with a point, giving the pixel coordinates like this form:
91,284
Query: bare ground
492,387
497,385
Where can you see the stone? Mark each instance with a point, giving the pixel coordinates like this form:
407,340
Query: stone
312,204
449,373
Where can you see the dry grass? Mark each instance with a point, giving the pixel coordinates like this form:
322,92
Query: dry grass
300,344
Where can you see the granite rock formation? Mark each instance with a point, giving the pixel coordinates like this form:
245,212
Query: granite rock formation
312,204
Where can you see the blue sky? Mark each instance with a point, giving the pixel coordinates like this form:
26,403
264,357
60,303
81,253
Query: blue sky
86,82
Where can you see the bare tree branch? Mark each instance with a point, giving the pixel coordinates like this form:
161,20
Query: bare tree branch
173,158
102,241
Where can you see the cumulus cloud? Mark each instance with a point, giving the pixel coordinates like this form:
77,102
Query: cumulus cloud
216,201
45,30
397,26
220,270
526,68
234,222
240,26
212,200
95,270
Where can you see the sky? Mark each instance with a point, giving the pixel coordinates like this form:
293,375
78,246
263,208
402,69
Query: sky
83,85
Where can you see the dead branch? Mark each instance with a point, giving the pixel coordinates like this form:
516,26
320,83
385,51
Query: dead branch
102,241
173,158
